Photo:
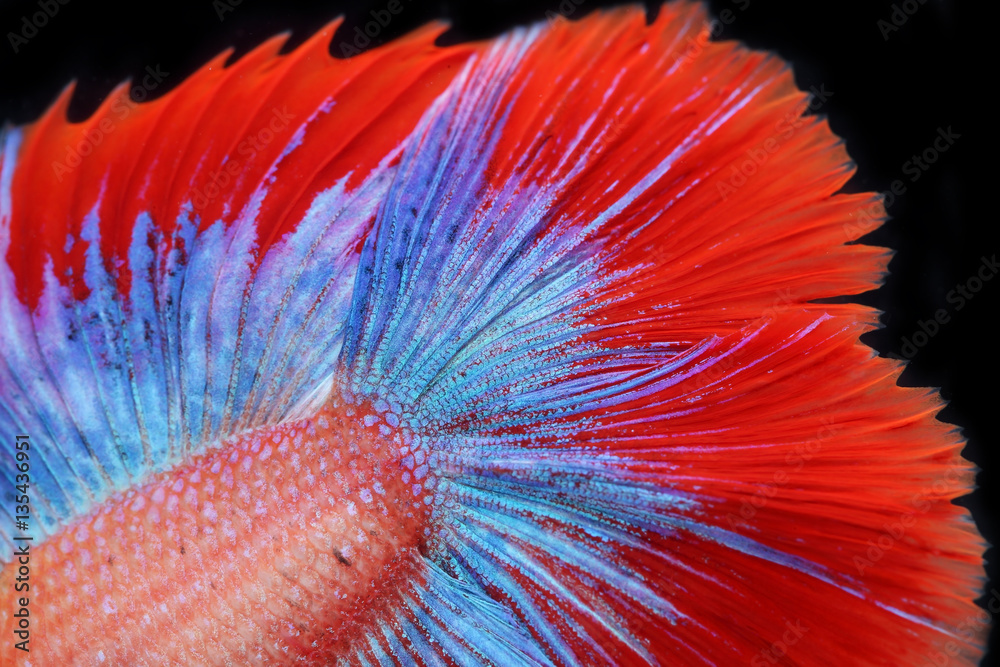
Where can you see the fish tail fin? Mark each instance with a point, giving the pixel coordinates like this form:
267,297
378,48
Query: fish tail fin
176,271
633,421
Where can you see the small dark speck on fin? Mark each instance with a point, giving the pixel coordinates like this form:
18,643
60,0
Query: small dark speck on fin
340,558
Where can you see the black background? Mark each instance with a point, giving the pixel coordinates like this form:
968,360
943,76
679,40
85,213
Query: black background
891,94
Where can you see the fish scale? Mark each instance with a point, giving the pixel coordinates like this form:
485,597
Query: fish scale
243,551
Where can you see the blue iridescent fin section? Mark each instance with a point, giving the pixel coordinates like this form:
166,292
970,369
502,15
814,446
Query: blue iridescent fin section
447,618
477,320
467,322
207,342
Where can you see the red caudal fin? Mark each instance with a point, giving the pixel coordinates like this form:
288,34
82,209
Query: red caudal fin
268,132
593,292
711,185
516,353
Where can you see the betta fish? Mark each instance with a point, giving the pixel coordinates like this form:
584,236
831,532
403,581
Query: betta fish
523,351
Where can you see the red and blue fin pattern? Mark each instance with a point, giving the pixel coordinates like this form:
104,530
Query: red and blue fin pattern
157,299
641,438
